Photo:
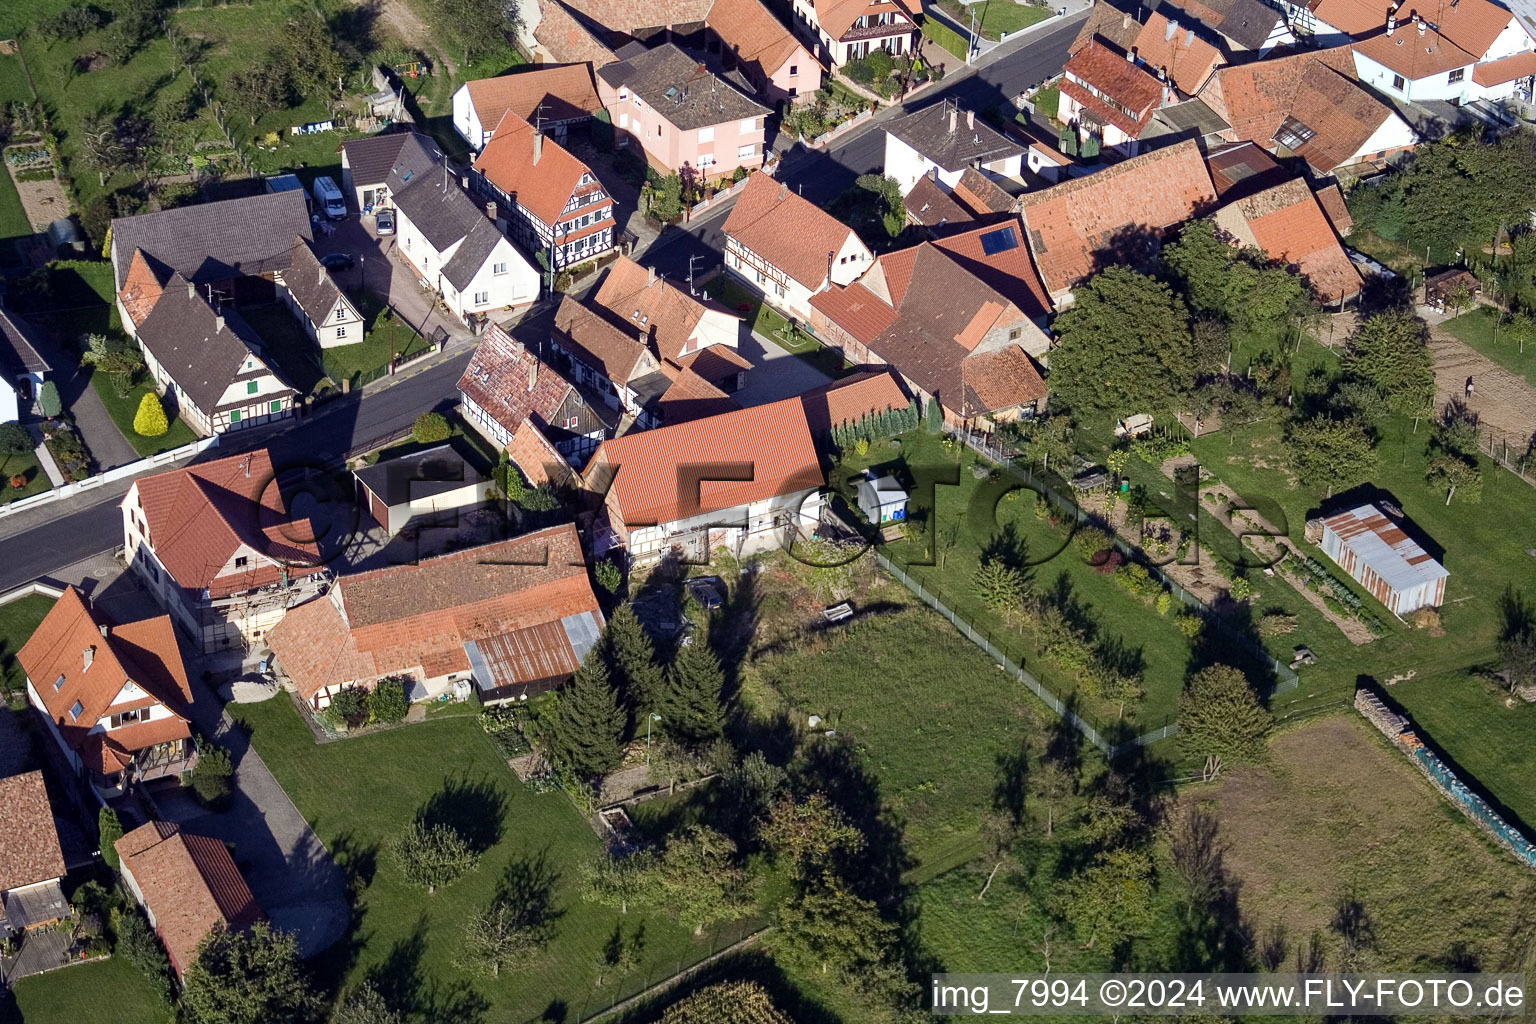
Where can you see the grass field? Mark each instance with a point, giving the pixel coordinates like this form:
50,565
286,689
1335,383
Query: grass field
123,410
25,466
1477,328
991,519
767,322
1304,834
362,362
942,35
930,713
996,18
358,792
17,621
110,991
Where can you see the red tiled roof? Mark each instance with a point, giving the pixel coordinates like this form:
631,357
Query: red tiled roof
1008,268
789,232
1414,54
983,195
1002,379
1505,69
1332,201
531,452
1342,115
197,518
29,842
1110,25
108,752
398,618
1288,225
674,472
853,397
1471,25
856,309
663,311
1188,59
691,397
189,884
1254,98
1238,167
1068,223
511,383
929,205
617,354
565,91
1112,76
141,288
143,653
561,32
836,17
544,186
750,30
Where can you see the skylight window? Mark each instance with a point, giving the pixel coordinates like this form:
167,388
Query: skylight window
75,710
1293,134
1001,240
59,682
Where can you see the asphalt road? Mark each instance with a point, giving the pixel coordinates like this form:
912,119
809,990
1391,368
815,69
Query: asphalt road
319,441
823,175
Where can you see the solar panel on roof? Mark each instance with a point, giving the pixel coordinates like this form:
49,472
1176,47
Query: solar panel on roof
998,241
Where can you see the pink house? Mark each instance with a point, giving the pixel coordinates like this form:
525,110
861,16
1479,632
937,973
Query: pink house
754,42
683,117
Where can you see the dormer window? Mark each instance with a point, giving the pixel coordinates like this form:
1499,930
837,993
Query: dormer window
75,711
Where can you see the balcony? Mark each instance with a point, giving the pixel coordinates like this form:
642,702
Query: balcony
164,760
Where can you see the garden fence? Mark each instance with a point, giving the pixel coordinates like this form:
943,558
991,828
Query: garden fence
825,137
1286,676
1511,451
90,483
623,992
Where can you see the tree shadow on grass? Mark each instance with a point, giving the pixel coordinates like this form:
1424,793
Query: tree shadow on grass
474,808
528,886
405,988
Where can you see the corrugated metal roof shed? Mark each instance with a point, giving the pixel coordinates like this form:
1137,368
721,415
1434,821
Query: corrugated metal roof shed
1381,543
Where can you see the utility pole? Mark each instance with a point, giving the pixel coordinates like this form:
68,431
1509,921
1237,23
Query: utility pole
690,275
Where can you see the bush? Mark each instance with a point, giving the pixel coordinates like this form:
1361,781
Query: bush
880,64
1091,540
1164,603
348,707
430,428
1190,624
609,576
137,944
1241,589
859,71
387,702
108,830
48,401
14,439
1272,624
150,420
1136,579
211,776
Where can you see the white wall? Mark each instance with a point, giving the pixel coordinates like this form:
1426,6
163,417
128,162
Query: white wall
517,286
906,164
466,120
9,408
1431,87
258,402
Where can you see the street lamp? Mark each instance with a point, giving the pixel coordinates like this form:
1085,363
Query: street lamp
648,720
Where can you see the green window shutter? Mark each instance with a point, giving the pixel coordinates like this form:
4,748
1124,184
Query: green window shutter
234,415
250,387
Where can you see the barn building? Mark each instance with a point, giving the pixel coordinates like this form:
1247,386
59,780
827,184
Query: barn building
1382,558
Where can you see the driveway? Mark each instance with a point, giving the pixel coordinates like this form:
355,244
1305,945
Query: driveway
776,372
102,438
382,273
290,872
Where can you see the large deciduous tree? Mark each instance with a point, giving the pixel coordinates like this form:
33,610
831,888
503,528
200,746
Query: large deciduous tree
1124,345
1329,451
431,855
1221,719
701,881
250,976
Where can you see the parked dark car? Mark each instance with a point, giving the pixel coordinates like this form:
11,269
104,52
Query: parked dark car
336,261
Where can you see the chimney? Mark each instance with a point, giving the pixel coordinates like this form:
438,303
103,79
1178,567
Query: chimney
1130,55
1391,21
831,255
1125,20
1419,22
533,373
490,210
319,273
191,290
1171,30
538,147
952,112
464,182
783,190
1189,37
248,466
106,630
970,119
1162,73
651,276
218,323
88,655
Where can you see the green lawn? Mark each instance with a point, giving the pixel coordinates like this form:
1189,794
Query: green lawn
363,362
110,991
356,793
930,713
996,18
13,220
27,467
942,35
122,411
990,514
1479,329
767,321
17,621
1484,729
1047,101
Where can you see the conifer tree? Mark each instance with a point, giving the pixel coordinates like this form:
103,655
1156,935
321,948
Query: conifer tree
588,724
692,709
631,662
